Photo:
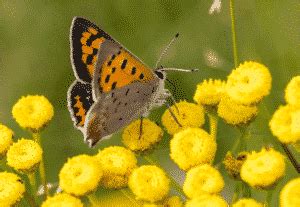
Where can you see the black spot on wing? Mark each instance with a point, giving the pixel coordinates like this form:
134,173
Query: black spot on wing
124,63
107,78
133,70
113,86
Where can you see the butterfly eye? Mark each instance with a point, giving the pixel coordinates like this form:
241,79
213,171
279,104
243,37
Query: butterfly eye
159,74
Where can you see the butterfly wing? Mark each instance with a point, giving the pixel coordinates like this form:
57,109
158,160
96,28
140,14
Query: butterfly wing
118,69
85,40
79,102
118,108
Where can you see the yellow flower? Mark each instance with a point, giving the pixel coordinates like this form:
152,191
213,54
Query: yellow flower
247,202
149,183
191,147
262,169
80,175
24,155
233,165
33,112
209,92
235,113
207,201
173,201
292,95
249,83
297,146
290,194
285,124
62,199
151,134
6,140
117,164
152,205
203,179
190,115
11,189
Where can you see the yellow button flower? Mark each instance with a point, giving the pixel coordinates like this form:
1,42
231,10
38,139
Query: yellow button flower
233,165
203,179
151,134
11,189
33,112
207,201
117,164
62,199
173,201
6,140
152,205
262,169
149,183
209,92
80,175
285,124
290,194
24,155
247,202
191,147
249,83
234,113
292,95
188,115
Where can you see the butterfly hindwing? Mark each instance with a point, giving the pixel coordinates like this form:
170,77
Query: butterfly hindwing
117,109
79,102
85,39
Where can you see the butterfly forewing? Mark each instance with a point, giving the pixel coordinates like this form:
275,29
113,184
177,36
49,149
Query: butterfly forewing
85,39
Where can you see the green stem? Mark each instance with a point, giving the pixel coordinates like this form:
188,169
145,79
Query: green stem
32,182
30,200
233,32
236,193
213,123
93,199
269,196
126,194
42,170
174,183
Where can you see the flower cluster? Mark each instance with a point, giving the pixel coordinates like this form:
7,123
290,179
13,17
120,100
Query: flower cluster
192,149
22,156
285,123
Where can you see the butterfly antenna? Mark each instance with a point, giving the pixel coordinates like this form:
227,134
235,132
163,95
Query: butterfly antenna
180,70
166,49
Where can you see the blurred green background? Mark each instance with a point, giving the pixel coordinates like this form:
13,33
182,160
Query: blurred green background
35,59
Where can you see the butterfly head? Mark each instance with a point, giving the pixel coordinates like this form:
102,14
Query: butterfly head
160,73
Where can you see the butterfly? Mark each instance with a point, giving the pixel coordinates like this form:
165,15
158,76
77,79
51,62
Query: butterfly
112,87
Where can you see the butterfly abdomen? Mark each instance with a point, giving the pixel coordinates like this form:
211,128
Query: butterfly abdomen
80,101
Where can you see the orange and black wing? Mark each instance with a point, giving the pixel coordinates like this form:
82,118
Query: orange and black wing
79,102
85,39
119,68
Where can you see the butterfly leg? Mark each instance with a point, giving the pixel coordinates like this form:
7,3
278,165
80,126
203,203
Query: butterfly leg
174,103
173,115
141,127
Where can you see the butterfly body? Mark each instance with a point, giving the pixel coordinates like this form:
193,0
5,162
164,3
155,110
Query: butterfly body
112,86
